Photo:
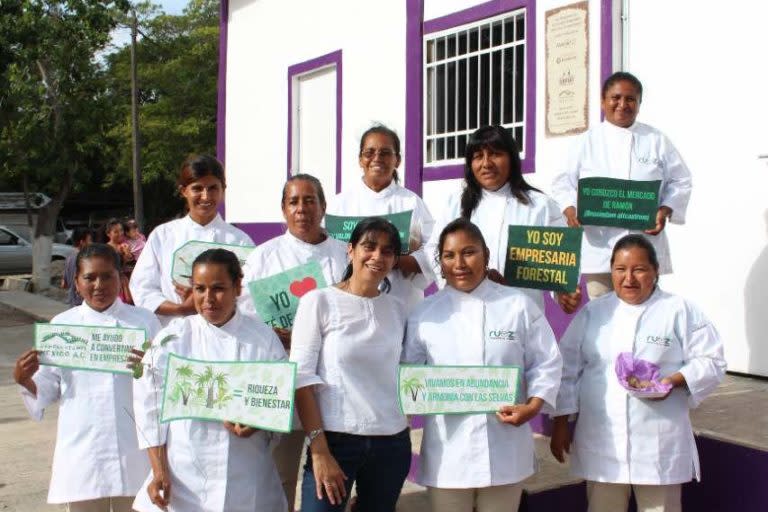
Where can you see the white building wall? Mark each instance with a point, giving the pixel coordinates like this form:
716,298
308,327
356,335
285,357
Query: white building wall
265,38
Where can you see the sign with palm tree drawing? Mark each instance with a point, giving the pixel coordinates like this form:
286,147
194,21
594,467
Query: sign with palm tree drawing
87,347
184,256
457,389
255,393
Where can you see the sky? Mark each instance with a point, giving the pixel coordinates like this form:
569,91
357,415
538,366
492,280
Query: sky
122,36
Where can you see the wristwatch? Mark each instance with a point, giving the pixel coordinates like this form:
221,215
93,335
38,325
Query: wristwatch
313,434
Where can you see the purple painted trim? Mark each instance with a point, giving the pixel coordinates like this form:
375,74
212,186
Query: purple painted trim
262,231
414,13
221,96
606,40
415,173
330,59
443,172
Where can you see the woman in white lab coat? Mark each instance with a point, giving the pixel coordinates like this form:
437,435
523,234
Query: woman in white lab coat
620,147
95,431
303,206
201,465
379,193
494,196
201,182
478,461
347,341
623,441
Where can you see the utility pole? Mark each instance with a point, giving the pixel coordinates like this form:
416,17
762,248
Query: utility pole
138,202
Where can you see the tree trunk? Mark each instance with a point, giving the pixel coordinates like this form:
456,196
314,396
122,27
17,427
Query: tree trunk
42,246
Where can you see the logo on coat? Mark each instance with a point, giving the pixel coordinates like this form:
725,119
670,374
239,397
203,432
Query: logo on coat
501,335
662,341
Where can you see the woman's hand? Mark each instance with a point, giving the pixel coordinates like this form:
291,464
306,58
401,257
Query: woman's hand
520,414
159,488
569,302
329,478
571,217
676,379
243,431
284,335
662,215
26,366
408,265
184,292
495,276
560,443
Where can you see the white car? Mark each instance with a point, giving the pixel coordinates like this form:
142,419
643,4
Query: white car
16,254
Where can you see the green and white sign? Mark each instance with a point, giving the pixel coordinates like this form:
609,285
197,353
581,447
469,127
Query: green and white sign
87,347
276,298
545,258
254,393
457,389
341,227
184,256
619,203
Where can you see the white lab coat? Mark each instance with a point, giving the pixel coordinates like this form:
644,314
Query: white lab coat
639,152
151,282
96,454
360,200
620,438
496,211
211,469
457,328
285,252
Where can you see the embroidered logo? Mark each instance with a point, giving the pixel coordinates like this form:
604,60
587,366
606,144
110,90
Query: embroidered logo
648,160
662,341
501,335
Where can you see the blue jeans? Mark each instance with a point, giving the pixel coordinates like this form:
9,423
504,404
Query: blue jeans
379,465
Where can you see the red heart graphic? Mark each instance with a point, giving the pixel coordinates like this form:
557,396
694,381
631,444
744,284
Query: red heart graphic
299,288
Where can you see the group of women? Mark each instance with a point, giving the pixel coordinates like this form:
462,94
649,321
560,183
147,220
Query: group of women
348,339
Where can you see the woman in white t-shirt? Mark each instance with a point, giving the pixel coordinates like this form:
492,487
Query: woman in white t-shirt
347,341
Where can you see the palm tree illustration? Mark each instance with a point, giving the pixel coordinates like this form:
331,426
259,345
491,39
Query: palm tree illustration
205,385
184,386
221,389
412,386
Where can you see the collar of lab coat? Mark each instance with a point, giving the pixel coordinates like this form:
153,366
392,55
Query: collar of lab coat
304,245
625,306
216,222
226,332
106,317
620,129
502,193
388,191
480,292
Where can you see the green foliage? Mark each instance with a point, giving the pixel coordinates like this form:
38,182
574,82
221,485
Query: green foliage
177,70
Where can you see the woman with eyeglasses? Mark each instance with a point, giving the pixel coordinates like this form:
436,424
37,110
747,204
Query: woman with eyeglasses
379,193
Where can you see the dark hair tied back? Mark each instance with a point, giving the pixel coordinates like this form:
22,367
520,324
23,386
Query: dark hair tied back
636,240
220,257
103,251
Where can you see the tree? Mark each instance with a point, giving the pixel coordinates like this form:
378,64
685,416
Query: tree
177,71
53,102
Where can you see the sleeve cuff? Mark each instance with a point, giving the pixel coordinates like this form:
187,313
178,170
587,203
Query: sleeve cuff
32,404
305,380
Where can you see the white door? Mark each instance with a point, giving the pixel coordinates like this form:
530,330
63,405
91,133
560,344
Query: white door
314,142
703,70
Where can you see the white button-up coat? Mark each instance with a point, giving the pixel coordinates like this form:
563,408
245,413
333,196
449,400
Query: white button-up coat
493,325
620,438
639,152
96,454
212,470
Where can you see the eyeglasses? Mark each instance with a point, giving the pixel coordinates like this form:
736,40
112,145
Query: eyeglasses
383,153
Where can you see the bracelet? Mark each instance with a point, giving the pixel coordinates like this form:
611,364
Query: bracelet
313,434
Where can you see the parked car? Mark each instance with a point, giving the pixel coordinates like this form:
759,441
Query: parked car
16,254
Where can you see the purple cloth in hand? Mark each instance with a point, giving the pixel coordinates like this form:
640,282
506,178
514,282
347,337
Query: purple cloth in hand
628,366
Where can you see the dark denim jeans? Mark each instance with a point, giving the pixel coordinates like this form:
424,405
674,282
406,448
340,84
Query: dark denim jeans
379,465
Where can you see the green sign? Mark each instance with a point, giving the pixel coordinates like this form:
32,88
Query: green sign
457,389
254,393
184,256
341,228
87,347
276,298
545,258
618,203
